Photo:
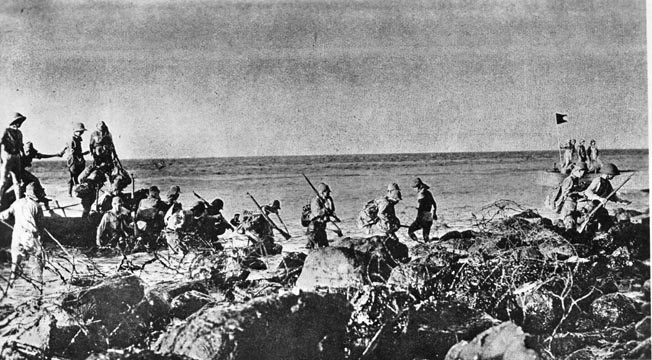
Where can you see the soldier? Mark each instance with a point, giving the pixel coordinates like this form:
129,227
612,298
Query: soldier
216,223
321,209
75,160
114,226
90,182
101,145
26,236
566,200
30,154
257,229
387,219
426,211
172,196
597,193
150,213
11,151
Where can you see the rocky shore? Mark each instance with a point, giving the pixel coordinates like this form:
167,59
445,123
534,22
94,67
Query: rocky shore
515,287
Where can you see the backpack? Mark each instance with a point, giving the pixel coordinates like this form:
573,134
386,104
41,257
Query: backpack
369,214
305,215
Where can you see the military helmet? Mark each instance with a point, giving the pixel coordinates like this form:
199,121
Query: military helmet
78,127
393,186
610,169
217,204
321,187
395,194
18,119
276,204
174,190
581,166
417,182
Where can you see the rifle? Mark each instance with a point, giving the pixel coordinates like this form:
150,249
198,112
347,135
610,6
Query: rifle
201,198
337,228
285,235
133,199
588,218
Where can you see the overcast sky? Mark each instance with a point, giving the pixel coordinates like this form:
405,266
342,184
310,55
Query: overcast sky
239,78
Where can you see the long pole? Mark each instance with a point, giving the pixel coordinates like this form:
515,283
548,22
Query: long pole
559,146
603,203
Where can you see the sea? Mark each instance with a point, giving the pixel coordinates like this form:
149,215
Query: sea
466,187
462,183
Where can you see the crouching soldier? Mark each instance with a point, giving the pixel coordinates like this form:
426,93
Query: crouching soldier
215,223
598,194
381,212
259,231
115,226
90,182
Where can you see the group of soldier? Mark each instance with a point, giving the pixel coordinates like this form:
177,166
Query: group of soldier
148,220
584,208
575,153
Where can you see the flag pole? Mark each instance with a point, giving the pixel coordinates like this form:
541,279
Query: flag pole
559,146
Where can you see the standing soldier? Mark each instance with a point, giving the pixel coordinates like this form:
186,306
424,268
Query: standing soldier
11,150
101,145
387,219
426,211
30,154
76,162
321,209
26,236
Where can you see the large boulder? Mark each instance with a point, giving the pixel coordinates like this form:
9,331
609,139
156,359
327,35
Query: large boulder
28,332
541,310
431,329
188,303
505,341
352,262
288,326
331,267
615,310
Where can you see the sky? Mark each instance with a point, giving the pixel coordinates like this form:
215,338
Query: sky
271,77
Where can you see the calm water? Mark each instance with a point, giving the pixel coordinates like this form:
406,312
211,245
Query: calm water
461,183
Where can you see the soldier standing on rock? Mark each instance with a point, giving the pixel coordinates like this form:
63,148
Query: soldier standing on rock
426,211
566,201
11,151
321,209
25,238
30,154
388,221
75,160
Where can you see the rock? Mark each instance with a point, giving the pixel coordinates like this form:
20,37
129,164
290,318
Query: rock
188,303
641,351
292,260
304,326
505,341
27,333
582,354
451,235
614,310
541,310
107,300
431,330
289,268
253,263
642,328
331,267
171,289
135,354
564,344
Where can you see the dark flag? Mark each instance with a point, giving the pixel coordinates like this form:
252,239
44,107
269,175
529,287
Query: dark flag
560,118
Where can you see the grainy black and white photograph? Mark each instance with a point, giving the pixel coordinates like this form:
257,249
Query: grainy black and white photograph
324,179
